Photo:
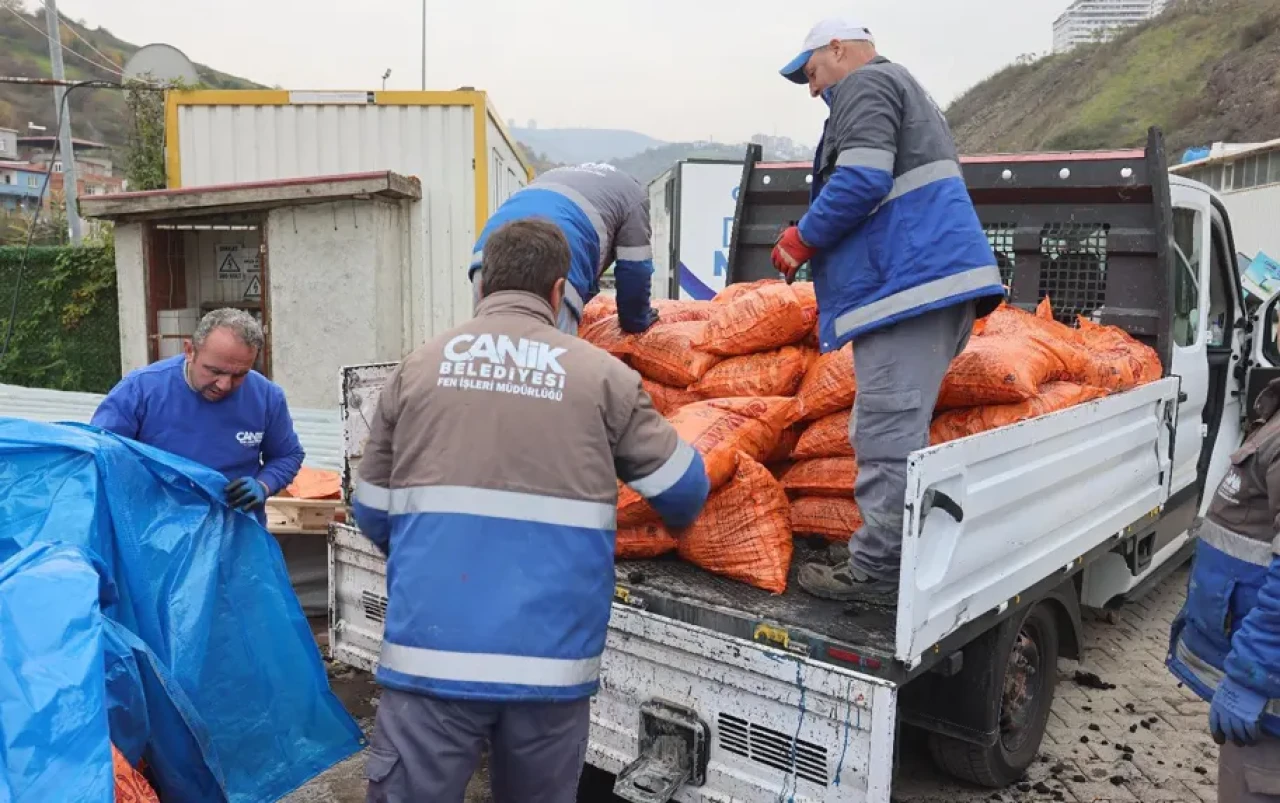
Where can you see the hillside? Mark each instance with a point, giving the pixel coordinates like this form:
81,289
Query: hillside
577,145
97,114
649,165
1204,71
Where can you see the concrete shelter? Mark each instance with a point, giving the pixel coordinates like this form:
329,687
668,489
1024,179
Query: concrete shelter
328,264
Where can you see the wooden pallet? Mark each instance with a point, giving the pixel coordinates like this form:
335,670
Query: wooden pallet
289,516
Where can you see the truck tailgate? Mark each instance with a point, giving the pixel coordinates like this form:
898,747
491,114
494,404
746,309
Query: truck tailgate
782,727
1035,498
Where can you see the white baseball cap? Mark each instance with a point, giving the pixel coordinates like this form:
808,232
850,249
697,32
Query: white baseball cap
821,35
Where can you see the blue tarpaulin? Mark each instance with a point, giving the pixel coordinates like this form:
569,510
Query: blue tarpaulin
54,741
209,667
1195,154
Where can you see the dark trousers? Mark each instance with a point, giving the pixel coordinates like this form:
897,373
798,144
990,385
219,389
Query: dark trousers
427,749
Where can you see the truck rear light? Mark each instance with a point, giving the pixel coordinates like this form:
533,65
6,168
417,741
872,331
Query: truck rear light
849,657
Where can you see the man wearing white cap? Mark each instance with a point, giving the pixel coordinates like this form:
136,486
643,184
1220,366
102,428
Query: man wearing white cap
901,267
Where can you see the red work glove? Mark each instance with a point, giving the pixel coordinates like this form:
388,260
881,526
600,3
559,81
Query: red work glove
790,252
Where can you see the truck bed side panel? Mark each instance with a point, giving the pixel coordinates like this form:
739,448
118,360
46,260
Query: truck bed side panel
1035,496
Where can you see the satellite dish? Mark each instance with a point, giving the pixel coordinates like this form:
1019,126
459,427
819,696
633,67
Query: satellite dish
163,62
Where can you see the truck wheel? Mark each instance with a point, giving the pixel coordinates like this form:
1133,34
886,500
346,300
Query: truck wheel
1024,696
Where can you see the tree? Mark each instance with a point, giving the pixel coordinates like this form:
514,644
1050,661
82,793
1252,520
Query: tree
144,153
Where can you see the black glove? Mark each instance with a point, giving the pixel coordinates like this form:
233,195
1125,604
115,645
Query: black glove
246,494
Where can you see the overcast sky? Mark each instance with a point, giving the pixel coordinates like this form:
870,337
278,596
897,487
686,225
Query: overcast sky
673,69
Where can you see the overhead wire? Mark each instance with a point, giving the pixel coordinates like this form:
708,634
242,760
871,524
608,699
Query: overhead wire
65,49
76,34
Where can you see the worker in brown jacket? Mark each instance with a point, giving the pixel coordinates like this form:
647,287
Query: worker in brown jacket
1225,643
489,482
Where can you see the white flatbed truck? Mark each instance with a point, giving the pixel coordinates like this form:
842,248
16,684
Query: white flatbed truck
715,691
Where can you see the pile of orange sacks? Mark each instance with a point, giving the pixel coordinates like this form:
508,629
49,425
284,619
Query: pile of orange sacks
741,379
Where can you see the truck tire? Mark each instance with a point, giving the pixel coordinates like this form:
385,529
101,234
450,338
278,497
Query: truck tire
1023,697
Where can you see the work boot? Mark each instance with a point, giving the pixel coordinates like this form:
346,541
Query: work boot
845,583
838,553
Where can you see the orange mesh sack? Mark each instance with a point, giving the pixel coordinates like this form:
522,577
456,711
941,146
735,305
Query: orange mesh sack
673,311
769,317
1053,396
599,307
833,519
607,334
1115,360
666,353
130,785
314,483
808,298
1000,369
779,412
643,541
1009,320
829,385
771,373
735,291
666,399
720,428
826,437
744,532
633,509
823,476
786,445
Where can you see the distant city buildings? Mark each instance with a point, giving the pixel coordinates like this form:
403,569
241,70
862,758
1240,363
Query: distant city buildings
1087,21
24,161
782,149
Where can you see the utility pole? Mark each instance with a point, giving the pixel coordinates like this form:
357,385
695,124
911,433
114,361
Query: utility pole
64,131
424,45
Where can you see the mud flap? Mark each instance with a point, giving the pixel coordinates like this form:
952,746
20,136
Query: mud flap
675,746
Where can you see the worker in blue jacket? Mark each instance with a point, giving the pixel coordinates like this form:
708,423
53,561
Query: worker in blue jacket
604,214
901,267
209,406
1225,643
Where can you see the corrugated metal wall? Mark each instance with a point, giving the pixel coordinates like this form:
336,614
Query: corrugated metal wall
319,430
1255,219
506,171
221,144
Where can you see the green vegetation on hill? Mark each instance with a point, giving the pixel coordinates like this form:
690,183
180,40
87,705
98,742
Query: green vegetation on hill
1204,71
96,114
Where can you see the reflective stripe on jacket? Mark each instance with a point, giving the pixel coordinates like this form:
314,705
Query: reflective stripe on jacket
489,479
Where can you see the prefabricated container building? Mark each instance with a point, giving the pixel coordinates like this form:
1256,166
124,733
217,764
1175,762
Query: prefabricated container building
454,143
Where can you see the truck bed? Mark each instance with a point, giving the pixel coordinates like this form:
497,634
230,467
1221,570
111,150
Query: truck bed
1037,501
678,589
1034,503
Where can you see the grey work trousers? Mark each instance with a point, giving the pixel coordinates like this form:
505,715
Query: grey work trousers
1249,774
427,749
900,370
566,319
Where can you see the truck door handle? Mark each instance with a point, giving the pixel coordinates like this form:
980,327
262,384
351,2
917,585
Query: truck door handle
940,500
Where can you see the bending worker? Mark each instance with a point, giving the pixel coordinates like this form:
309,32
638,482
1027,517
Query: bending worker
209,405
901,267
488,481
604,215
1225,643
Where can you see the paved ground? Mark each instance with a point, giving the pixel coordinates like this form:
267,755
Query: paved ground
1144,740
